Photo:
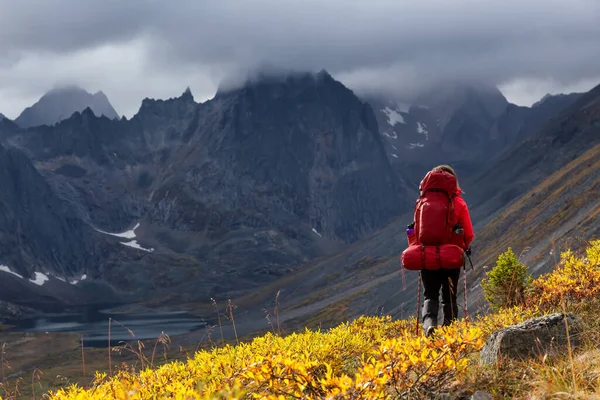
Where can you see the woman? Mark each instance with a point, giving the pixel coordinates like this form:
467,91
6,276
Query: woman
446,279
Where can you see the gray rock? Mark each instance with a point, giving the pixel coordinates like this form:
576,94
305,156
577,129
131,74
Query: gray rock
478,395
532,338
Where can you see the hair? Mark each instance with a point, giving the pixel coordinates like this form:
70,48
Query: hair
450,170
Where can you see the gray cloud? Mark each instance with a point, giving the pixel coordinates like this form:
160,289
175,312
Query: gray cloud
154,48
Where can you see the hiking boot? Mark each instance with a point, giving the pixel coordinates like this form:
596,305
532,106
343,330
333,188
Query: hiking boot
429,331
429,325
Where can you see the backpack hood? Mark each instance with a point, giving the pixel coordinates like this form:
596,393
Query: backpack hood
440,180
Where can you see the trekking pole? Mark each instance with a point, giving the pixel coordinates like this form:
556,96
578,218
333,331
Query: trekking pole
465,296
418,303
403,277
470,262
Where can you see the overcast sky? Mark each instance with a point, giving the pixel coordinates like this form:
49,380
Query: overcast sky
155,48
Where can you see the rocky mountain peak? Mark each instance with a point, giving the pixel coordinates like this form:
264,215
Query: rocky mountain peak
151,105
187,95
554,98
61,102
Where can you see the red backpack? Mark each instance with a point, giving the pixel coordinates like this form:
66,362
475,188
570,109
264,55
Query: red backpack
431,236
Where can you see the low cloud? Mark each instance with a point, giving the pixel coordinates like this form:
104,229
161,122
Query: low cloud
132,50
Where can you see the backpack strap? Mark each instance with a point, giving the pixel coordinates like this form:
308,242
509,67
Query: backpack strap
449,214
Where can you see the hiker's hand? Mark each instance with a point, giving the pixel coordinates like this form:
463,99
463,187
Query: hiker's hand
468,251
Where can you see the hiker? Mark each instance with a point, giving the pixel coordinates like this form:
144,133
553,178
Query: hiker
438,239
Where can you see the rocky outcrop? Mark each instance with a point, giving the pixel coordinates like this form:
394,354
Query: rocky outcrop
479,395
537,337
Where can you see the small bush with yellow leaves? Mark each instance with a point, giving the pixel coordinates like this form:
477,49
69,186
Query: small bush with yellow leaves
575,279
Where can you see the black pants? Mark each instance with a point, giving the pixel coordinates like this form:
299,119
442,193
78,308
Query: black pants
433,281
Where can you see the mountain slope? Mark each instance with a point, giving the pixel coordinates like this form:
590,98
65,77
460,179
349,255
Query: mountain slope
560,140
552,192
465,125
229,194
269,186
449,121
517,123
59,104
38,230
562,210
44,247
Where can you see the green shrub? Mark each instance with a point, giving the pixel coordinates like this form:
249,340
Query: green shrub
505,285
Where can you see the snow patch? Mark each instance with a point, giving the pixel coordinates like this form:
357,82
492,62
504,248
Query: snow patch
39,278
393,135
76,281
61,279
393,116
6,269
135,245
315,231
422,129
127,234
395,155
395,148
413,145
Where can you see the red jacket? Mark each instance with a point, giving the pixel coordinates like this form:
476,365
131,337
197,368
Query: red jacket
464,218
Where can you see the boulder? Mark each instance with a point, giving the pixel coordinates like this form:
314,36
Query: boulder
535,337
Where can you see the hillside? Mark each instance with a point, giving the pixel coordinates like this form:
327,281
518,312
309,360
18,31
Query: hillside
561,212
560,140
378,357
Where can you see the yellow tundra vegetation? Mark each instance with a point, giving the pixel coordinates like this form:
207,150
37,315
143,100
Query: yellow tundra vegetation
372,357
